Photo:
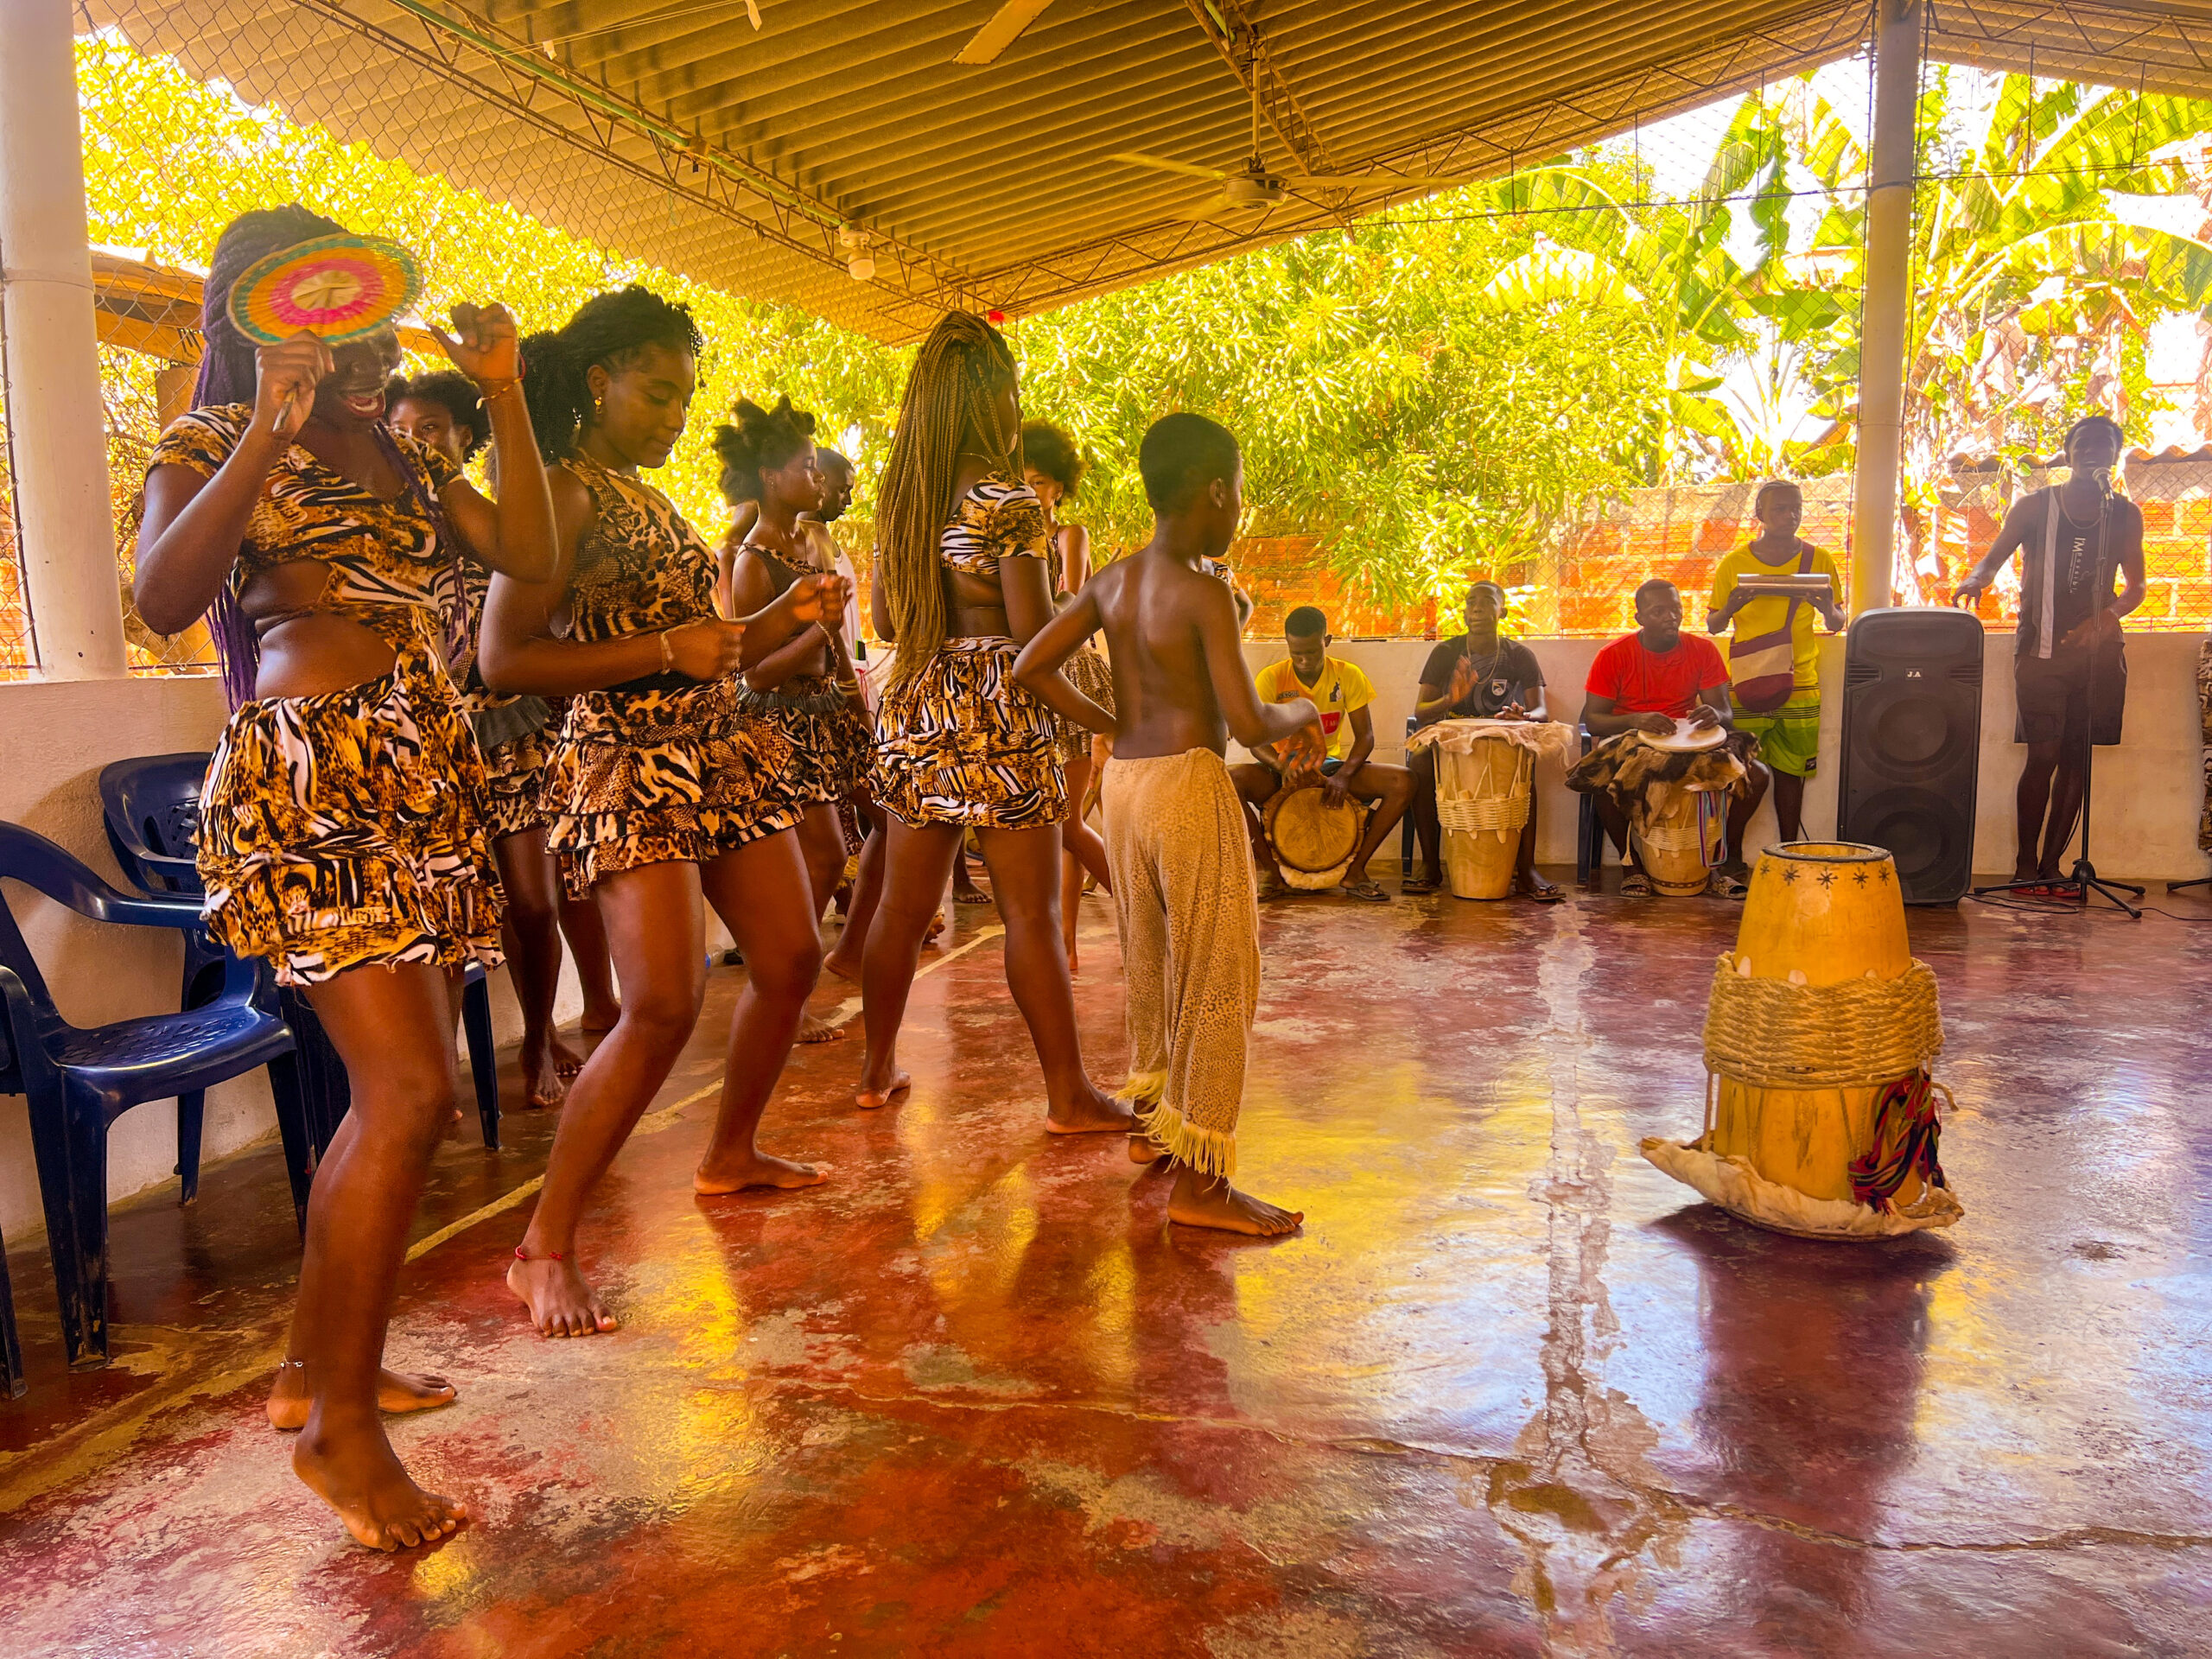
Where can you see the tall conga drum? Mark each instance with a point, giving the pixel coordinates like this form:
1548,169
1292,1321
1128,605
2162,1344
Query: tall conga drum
1313,840
1482,803
1820,1114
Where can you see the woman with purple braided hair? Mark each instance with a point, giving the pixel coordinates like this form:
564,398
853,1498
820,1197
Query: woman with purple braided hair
338,837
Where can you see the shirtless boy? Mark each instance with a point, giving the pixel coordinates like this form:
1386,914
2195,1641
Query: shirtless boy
1174,827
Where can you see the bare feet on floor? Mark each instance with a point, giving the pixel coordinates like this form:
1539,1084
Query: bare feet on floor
541,1074
561,1303
398,1392
598,1021
875,1094
354,1471
1198,1201
1091,1112
1145,1150
844,964
566,1060
754,1168
813,1028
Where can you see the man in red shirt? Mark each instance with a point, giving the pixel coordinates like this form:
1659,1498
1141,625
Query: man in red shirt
1645,681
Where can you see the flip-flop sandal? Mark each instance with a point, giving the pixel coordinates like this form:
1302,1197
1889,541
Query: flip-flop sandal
1635,885
1273,886
1366,889
1551,894
1730,886
1415,887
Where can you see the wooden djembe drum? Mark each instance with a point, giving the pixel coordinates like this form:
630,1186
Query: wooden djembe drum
1821,1114
1313,840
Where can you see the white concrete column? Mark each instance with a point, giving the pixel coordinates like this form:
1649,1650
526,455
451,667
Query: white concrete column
57,427
1886,302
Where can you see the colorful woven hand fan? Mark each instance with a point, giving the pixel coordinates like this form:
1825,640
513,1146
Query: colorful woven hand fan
339,287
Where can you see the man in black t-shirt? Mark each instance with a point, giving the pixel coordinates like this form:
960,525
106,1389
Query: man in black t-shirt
1477,675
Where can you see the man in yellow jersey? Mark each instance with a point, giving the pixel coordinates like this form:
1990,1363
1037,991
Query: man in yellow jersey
1342,692
1773,637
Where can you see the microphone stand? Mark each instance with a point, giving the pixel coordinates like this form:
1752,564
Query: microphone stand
2083,878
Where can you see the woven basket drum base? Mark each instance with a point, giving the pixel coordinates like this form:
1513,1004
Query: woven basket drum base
1313,841
1482,801
1734,1186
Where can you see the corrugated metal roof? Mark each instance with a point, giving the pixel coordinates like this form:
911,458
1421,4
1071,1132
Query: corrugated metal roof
672,132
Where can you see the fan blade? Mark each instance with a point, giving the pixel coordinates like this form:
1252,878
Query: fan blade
1160,163
1345,180
1004,29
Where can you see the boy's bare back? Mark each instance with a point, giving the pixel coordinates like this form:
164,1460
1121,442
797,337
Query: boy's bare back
1172,633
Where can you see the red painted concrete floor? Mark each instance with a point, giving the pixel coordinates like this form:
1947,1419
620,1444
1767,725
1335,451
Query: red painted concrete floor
1512,1391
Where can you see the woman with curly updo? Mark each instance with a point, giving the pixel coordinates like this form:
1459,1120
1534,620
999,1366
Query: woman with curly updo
1054,471
961,583
661,788
808,687
339,835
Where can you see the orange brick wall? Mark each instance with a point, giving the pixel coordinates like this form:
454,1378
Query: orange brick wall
1588,587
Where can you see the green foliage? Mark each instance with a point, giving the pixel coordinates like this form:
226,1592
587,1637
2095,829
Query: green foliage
169,160
1381,398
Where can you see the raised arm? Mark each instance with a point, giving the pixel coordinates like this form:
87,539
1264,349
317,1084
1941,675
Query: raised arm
1037,669
513,537
190,534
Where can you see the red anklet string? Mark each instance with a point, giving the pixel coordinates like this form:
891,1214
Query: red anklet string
521,1255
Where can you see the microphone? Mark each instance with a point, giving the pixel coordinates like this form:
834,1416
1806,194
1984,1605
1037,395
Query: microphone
2103,477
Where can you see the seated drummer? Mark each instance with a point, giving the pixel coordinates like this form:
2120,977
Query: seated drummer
1477,675
1342,692
1646,680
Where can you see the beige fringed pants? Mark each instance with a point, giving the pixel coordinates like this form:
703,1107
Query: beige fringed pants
1190,948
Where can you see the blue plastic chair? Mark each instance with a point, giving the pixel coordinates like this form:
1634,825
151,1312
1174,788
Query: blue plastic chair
152,808
80,1080
12,1351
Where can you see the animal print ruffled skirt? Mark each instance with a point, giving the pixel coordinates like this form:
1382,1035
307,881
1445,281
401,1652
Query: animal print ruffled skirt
832,738
658,777
1087,672
962,743
342,830
514,782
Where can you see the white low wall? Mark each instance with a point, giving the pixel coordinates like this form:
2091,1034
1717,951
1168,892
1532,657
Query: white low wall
54,739
2148,789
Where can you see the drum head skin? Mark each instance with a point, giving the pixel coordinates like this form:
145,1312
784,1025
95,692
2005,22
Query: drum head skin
1309,834
343,287
1686,741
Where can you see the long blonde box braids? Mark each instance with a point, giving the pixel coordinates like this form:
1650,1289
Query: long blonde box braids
945,404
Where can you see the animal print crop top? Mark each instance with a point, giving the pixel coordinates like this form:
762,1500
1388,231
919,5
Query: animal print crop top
994,520
640,568
389,568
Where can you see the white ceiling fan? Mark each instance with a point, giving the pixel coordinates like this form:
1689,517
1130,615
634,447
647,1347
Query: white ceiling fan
1253,189
1004,29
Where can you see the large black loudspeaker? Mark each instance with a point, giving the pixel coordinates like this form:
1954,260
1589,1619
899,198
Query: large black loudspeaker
1912,745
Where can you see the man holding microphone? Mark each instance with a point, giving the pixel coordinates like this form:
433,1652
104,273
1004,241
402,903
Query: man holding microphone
2070,665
